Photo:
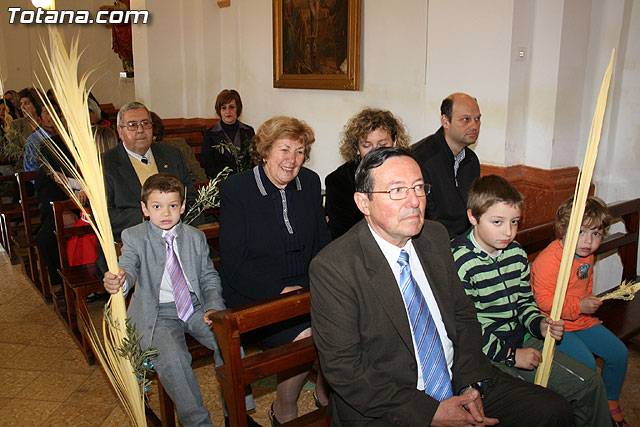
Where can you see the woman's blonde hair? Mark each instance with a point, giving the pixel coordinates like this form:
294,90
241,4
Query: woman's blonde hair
278,128
105,138
362,124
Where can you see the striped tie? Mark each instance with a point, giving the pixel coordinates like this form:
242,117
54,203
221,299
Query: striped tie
433,364
181,294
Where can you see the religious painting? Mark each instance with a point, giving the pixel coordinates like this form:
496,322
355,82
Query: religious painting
316,44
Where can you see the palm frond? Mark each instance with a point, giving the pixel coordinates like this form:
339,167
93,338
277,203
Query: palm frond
61,67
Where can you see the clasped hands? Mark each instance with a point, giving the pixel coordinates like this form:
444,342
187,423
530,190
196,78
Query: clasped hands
463,410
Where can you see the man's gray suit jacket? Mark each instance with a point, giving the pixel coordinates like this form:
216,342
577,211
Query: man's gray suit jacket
363,337
144,258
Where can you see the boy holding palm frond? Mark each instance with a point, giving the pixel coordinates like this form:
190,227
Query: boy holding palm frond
177,288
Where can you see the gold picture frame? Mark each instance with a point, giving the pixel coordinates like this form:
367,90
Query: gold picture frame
316,44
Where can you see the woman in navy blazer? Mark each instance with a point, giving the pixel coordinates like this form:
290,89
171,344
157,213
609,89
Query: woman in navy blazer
272,224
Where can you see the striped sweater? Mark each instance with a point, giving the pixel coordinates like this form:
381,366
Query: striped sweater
500,290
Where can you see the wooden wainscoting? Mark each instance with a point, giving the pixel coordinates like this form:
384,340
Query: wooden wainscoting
543,189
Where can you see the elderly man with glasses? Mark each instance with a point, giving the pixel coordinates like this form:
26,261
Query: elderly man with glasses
397,337
128,165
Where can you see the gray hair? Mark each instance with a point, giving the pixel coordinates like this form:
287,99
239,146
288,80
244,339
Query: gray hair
133,105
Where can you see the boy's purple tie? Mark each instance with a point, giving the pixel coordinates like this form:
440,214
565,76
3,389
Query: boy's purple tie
433,364
181,294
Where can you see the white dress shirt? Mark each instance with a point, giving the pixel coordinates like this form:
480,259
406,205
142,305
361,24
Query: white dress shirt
392,253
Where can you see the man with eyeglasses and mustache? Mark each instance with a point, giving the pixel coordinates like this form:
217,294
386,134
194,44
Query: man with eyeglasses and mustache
448,164
128,165
397,337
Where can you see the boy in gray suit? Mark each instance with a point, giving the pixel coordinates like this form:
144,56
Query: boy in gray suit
177,288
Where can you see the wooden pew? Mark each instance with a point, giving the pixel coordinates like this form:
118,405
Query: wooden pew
34,265
77,281
9,212
621,317
192,130
237,372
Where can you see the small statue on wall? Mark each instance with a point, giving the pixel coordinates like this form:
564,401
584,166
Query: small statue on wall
121,35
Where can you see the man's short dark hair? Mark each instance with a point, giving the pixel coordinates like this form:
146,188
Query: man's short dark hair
375,158
446,107
164,183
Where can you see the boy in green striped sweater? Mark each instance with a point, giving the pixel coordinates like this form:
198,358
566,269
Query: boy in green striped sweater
494,271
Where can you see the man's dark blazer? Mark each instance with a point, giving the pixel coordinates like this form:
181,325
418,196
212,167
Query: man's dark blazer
123,186
447,201
363,337
252,250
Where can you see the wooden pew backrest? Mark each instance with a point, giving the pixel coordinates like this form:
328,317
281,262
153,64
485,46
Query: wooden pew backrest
237,372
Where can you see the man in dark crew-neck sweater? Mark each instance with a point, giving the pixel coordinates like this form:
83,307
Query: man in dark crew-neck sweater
448,164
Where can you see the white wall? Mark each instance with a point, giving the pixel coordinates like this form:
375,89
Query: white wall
20,44
469,50
617,177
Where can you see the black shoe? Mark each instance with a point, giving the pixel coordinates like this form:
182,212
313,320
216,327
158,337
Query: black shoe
97,296
272,417
250,422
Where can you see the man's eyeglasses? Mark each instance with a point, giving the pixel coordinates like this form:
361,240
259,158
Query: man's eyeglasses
401,193
133,126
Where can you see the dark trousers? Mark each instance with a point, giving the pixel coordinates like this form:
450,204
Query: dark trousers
518,403
48,246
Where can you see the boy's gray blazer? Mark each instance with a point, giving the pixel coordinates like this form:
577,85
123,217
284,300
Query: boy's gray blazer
143,259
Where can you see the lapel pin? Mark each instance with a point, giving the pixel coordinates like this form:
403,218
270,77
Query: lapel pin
166,166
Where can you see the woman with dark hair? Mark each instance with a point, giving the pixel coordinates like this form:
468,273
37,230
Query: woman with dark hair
227,142
12,96
369,129
29,103
271,226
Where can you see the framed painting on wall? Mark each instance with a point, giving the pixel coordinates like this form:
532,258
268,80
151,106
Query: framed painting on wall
316,44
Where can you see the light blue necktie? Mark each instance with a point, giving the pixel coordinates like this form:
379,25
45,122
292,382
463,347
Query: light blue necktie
433,363
181,294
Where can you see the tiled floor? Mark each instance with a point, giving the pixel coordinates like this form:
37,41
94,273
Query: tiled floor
45,381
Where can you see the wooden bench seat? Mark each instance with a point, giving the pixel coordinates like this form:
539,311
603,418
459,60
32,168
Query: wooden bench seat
9,212
35,267
621,317
192,130
77,281
237,372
